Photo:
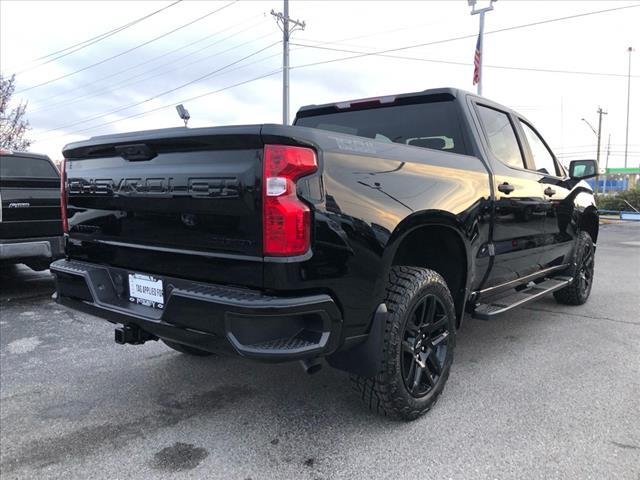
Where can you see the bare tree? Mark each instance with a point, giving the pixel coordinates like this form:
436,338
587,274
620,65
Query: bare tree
13,125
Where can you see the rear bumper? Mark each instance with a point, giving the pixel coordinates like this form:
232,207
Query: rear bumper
31,248
205,316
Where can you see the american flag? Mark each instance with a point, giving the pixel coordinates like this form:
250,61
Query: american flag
476,61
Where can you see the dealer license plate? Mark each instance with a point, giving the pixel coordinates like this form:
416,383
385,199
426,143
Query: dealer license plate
146,290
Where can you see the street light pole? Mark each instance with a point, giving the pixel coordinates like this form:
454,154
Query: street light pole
626,140
598,134
595,132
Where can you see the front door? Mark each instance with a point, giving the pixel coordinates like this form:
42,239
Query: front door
559,202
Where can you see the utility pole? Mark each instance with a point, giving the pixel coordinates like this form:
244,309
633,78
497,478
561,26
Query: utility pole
283,20
626,139
600,113
480,45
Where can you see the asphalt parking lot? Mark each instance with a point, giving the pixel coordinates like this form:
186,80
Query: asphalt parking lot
546,392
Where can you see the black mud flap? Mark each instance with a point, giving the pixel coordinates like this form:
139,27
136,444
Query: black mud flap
364,359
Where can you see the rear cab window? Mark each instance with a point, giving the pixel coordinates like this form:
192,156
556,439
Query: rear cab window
434,125
18,166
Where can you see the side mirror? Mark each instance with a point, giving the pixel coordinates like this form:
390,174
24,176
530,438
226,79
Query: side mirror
581,169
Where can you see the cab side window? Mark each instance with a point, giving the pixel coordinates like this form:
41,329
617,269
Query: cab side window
542,157
501,136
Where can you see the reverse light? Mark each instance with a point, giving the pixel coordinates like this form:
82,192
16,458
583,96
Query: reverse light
286,220
63,196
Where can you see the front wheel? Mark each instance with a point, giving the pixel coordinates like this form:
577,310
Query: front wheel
418,345
581,270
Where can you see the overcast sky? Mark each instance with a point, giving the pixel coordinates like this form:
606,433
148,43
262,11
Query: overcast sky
98,99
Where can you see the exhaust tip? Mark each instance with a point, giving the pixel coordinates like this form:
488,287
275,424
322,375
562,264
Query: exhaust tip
311,365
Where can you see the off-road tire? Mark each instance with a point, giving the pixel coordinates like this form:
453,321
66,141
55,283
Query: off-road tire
179,347
387,393
578,292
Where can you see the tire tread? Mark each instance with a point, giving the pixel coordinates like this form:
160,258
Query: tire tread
379,393
571,295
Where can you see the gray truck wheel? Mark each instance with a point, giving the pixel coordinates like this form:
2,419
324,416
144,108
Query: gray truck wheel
418,345
581,270
178,347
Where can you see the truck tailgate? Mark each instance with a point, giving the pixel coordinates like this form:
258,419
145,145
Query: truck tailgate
177,202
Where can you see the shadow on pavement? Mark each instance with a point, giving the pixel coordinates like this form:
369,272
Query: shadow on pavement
19,282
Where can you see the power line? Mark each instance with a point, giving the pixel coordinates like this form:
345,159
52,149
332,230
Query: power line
573,154
180,67
47,105
588,150
170,105
592,145
449,62
374,53
128,50
410,58
162,55
127,82
381,32
463,37
92,40
161,94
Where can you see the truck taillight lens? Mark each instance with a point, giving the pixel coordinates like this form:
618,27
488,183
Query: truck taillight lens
63,197
286,220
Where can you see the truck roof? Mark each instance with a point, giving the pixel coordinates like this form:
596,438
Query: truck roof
11,153
432,94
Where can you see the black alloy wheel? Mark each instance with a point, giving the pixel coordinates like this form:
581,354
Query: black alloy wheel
584,277
424,345
581,271
418,345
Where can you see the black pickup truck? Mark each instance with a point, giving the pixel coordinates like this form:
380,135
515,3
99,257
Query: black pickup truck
361,235
30,228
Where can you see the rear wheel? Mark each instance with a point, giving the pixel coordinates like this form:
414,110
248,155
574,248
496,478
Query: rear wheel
179,347
581,270
418,345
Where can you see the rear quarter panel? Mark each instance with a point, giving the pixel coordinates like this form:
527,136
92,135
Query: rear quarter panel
372,195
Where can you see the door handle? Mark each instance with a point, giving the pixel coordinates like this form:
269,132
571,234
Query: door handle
506,188
549,192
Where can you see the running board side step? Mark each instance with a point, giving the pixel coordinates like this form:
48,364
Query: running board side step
486,311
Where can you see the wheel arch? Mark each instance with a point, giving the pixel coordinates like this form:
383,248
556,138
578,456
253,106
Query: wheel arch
433,239
590,223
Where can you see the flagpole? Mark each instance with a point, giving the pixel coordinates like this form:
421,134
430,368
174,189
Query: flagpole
481,49
481,12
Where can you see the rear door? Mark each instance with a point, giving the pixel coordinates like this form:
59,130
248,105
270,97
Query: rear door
519,204
30,192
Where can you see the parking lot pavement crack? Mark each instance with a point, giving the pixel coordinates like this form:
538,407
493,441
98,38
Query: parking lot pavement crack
625,445
569,314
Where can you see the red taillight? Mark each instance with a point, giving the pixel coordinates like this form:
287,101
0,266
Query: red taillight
63,197
286,220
